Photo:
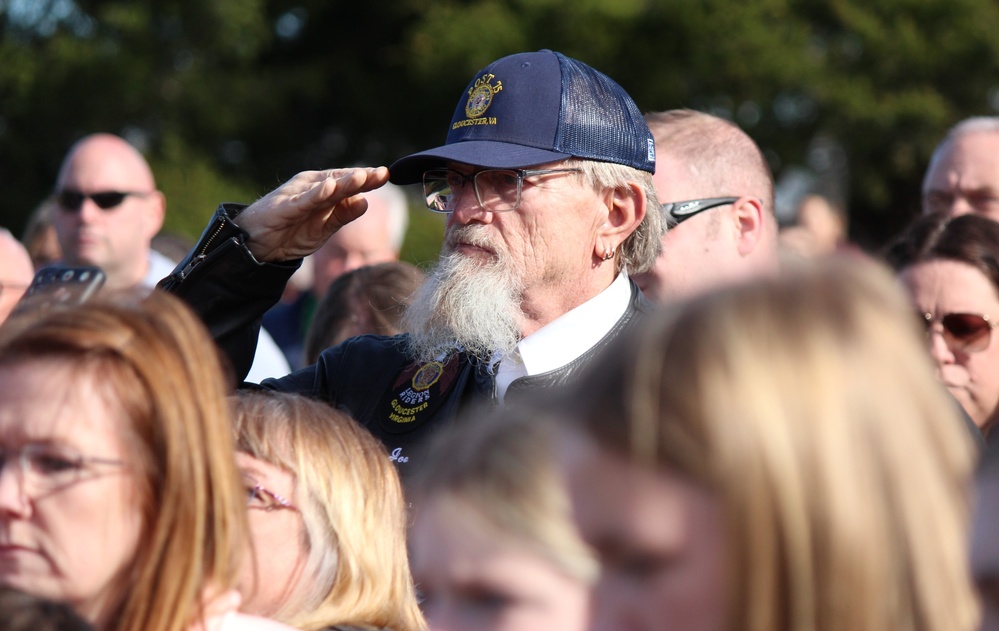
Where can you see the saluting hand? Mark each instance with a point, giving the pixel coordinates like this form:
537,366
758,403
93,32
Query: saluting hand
295,219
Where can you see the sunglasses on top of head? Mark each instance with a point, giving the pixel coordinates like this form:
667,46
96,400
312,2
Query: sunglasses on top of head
967,332
106,200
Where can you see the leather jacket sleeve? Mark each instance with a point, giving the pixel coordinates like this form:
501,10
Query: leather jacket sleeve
228,288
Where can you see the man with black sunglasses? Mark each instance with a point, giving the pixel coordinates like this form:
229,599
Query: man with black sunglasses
108,210
718,195
545,179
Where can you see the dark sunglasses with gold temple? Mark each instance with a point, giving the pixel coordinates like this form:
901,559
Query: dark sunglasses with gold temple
965,332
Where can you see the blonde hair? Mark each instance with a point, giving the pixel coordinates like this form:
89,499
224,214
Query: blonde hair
808,406
501,470
153,358
350,497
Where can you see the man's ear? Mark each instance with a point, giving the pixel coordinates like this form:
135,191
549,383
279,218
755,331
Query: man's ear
626,207
747,213
156,209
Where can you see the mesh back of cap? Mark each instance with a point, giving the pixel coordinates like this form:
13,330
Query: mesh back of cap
600,121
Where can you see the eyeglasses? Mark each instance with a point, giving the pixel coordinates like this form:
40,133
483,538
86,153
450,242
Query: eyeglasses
497,190
259,497
106,200
967,332
45,468
681,211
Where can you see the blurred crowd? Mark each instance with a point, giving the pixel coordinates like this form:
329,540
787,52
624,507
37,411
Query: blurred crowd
624,398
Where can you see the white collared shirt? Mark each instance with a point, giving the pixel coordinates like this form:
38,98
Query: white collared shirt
566,338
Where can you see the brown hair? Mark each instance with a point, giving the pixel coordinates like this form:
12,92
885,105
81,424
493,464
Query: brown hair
357,572
368,299
970,239
154,359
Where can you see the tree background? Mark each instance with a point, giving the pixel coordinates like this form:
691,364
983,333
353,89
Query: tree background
228,98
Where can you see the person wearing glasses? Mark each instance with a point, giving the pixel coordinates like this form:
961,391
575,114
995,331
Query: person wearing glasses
950,267
327,518
546,181
107,211
119,491
718,195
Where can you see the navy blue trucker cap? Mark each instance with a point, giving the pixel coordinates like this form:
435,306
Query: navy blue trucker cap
532,108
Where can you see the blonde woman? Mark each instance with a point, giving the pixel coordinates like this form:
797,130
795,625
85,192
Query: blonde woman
327,518
119,492
493,543
774,457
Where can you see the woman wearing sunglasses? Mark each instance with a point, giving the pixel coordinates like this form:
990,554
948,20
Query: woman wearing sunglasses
950,267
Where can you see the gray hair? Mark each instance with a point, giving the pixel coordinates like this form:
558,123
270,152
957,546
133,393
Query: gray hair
641,248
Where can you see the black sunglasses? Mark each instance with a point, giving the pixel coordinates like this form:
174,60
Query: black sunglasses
681,211
967,332
105,200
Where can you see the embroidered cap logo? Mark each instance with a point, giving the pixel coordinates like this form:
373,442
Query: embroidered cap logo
480,96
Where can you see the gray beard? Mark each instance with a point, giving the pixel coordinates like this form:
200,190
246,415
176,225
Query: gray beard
465,305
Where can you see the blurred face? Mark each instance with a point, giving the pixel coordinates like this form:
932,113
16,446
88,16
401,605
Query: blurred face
269,578
70,526
985,549
115,239
364,241
472,580
16,273
964,177
660,540
941,287
695,256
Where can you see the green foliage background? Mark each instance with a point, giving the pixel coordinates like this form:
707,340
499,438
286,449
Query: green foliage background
228,98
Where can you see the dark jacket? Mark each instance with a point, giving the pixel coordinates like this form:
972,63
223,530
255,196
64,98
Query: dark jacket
372,377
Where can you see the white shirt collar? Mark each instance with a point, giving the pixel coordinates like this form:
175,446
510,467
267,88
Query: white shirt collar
566,338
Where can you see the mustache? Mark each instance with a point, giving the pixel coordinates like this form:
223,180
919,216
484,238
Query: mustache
469,235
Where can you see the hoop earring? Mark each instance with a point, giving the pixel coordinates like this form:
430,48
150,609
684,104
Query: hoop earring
608,254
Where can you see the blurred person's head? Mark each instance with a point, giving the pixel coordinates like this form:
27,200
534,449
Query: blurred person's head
375,237
16,272
963,174
703,158
774,456
108,208
40,238
119,491
819,230
493,543
327,518
370,299
950,267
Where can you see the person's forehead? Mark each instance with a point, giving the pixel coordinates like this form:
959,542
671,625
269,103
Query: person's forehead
100,166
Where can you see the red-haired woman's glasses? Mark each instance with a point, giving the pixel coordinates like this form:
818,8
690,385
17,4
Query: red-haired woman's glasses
967,332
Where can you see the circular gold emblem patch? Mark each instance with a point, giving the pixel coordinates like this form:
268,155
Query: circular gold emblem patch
479,101
427,376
